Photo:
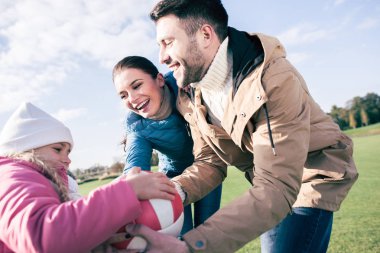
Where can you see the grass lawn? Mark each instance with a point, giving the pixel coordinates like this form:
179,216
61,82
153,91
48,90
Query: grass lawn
356,225
364,131
85,188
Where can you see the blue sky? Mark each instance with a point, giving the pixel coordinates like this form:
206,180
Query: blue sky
59,55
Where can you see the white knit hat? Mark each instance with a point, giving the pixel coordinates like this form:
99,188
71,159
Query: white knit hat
29,127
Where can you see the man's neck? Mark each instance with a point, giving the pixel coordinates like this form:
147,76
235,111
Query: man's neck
220,66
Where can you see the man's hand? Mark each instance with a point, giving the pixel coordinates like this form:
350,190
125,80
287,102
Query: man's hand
158,242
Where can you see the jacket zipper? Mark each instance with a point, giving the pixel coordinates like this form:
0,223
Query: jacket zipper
269,130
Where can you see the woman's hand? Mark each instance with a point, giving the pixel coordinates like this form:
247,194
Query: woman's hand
107,248
158,242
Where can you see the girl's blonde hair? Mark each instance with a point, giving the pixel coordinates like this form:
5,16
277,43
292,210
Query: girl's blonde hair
48,172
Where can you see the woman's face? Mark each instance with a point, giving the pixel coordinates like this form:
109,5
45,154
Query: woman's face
140,92
55,155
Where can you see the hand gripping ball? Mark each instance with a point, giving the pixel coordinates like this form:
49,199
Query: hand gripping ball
162,215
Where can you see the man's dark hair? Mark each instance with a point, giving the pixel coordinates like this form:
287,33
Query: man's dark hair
194,13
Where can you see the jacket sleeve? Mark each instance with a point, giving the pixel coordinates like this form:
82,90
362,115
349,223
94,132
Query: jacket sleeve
206,173
34,220
138,152
277,179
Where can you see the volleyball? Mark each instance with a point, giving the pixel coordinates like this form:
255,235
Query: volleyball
164,216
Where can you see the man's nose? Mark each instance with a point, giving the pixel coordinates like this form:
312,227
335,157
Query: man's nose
163,56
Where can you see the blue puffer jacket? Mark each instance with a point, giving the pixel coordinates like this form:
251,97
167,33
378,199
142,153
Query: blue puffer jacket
169,137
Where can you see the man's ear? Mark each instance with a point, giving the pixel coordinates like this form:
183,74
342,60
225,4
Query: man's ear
207,35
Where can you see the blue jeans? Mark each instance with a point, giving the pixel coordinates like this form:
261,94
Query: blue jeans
305,230
203,209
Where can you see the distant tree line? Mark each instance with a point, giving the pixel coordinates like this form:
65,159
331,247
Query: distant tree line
359,111
99,171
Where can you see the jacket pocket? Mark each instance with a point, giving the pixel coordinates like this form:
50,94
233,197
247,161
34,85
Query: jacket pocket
331,163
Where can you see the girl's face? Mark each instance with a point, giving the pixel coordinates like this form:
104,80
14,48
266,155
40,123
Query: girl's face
55,155
139,91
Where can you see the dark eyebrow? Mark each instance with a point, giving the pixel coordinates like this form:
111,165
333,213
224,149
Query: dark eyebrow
134,81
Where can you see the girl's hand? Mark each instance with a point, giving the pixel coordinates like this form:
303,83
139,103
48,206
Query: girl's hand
150,185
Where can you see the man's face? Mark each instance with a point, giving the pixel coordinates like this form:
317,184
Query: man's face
179,51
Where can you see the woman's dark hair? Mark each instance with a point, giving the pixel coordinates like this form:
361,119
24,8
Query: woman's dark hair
194,13
135,62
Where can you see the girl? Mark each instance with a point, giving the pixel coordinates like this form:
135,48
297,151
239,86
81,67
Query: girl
36,212
152,122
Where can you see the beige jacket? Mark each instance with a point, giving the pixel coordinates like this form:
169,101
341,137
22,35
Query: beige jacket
313,166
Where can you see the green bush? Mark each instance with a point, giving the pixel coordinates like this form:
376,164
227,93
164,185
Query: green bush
87,180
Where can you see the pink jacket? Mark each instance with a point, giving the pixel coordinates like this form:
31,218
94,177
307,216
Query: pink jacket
32,218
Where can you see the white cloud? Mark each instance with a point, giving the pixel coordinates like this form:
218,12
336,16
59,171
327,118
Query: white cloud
41,42
69,114
339,2
297,58
303,34
27,84
368,23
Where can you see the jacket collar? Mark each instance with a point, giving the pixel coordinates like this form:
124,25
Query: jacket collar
248,53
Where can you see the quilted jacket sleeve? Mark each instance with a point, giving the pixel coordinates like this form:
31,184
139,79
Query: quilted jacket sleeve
34,220
138,149
138,152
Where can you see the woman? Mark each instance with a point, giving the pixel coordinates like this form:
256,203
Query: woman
152,123
36,212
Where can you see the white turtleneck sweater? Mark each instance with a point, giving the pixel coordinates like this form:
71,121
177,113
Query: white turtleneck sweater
216,84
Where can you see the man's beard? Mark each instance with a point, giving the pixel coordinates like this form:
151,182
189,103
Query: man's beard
193,68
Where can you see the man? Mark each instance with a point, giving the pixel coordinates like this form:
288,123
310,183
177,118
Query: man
247,106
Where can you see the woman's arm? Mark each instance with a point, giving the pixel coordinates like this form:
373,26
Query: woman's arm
138,152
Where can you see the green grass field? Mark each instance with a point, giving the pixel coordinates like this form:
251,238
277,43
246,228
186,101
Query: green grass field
364,131
356,225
